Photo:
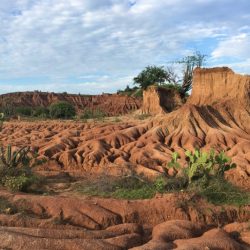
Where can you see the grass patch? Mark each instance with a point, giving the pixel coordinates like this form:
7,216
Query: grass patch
220,191
123,188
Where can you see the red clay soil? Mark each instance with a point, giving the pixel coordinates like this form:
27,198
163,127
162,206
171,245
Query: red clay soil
217,115
173,221
110,104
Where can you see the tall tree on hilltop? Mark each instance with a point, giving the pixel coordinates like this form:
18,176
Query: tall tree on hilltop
153,75
189,63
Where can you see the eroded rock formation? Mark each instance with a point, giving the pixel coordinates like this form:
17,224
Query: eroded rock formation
72,222
160,100
216,116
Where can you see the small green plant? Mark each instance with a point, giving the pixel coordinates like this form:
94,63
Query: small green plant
204,165
174,161
17,183
16,167
160,184
12,162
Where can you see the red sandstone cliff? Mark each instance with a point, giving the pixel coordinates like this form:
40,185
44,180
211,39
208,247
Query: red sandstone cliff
159,100
111,104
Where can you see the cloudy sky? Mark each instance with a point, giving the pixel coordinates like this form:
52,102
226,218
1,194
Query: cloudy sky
95,46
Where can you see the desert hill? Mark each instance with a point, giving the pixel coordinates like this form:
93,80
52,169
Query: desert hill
110,104
215,116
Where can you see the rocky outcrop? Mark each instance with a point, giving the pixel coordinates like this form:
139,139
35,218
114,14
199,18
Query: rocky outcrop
110,104
160,100
220,85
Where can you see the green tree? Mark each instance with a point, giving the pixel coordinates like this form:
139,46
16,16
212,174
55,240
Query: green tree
62,110
7,107
189,63
152,75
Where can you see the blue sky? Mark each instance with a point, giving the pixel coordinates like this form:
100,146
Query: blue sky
95,46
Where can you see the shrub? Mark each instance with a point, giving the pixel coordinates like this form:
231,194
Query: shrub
93,114
13,163
62,110
41,112
15,167
17,183
23,111
205,175
205,165
202,165
219,191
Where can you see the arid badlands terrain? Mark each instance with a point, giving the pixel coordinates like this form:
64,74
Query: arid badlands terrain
216,115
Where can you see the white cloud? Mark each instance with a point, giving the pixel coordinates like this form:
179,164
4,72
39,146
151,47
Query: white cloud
237,46
59,39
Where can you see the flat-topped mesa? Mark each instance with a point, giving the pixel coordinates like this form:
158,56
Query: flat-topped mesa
221,84
160,100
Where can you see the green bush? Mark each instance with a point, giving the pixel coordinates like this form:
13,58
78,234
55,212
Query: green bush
23,111
62,110
93,114
41,112
17,183
16,168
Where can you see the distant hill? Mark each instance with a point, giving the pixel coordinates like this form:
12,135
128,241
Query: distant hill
111,104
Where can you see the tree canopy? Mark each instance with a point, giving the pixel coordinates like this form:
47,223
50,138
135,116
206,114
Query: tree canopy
152,75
